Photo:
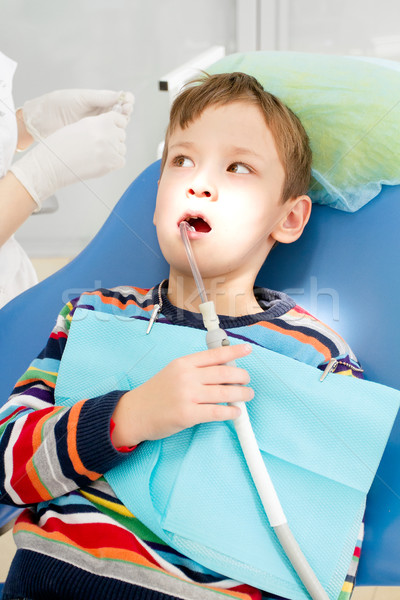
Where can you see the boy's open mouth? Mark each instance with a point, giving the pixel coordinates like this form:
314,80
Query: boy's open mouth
198,223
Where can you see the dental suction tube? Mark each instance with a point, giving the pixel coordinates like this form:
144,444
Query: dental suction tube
215,338
184,228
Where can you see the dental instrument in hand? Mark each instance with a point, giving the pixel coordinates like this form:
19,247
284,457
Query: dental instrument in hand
215,338
118,106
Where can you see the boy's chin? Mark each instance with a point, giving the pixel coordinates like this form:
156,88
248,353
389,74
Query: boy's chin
185,272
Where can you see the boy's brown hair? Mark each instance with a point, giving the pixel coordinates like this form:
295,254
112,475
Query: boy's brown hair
291,140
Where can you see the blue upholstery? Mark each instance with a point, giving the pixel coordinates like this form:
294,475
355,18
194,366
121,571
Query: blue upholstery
343,270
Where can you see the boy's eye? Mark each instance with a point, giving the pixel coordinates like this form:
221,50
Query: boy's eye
183,161
239,168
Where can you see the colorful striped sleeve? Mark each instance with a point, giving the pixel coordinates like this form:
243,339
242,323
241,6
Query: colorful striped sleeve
338,356
47,450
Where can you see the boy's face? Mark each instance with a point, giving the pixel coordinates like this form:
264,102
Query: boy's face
224,169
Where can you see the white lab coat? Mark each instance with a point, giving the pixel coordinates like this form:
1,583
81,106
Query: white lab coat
16,270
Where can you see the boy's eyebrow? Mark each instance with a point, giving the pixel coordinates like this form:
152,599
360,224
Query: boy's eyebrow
181,145
246,151
234,149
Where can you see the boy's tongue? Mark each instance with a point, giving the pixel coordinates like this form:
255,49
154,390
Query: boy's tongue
199,225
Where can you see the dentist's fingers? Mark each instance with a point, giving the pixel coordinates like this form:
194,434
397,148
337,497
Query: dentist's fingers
88,148
53,111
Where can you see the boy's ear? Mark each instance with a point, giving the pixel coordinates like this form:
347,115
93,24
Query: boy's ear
291,226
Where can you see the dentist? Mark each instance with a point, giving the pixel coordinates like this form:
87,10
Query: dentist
79,137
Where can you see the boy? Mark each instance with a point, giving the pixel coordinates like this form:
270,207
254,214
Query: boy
236,165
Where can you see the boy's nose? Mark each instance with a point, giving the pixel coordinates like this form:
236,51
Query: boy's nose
201,191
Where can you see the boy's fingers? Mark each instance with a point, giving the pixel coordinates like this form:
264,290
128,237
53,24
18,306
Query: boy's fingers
217,412
219,356
219,394
221,374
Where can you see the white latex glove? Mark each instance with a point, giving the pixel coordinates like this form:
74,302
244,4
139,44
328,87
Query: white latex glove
46,114
89,148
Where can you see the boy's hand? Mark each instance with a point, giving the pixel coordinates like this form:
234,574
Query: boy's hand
189,390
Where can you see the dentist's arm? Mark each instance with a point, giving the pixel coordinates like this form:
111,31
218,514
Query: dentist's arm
16,205
90,149
25,139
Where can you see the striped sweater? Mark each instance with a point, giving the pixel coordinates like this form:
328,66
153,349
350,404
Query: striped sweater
75,539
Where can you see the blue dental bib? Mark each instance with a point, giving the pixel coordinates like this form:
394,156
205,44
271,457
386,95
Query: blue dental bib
321,442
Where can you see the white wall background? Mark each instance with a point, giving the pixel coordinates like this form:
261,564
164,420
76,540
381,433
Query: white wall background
364,27
361,27
129,44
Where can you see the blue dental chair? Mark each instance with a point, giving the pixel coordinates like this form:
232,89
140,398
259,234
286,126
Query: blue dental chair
342,269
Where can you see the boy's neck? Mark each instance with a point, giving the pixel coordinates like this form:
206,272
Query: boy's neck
234,299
